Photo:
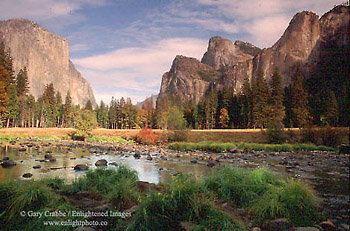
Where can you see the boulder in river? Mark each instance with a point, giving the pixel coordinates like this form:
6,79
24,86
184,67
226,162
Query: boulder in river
6,158
137,155
149,158
48,156
27,175
37,166
22,149
101,162
8,163
81,167
210,164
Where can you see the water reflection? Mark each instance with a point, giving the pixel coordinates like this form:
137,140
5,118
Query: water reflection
66,160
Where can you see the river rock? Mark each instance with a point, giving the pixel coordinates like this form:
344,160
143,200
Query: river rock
114,163
149,158
163,157
303,229
48,156
101,162
8,163
52,159
37,166
22,149
81,167
12,142
193,161
277,224
6,158
328,226
27,175
210,164
137,155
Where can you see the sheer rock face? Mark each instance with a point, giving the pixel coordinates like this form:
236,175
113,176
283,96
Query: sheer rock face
187,79
302,44
222,53
295,46
46,57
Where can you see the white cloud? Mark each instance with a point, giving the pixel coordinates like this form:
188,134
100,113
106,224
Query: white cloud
78,47
56,13
136,72
264,21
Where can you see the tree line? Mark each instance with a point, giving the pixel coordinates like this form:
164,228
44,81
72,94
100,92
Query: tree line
259,104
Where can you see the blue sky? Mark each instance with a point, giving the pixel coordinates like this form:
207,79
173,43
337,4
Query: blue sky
123,47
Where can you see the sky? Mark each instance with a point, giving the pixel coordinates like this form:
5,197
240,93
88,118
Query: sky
123,47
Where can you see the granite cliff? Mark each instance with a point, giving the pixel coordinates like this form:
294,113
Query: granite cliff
305,43
46,57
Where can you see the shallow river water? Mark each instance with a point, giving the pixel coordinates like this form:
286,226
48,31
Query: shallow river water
328,173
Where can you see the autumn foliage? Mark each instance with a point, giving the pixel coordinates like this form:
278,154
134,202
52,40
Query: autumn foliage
147,136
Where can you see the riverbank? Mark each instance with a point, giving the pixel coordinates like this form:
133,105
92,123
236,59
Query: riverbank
326,171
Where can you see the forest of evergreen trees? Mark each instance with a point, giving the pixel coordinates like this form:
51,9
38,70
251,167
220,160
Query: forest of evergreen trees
258,105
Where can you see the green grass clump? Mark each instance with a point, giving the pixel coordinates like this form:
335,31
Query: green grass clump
29,196
267,195
246,147
241,185
186,201
56,183
103,180
293,200
204,146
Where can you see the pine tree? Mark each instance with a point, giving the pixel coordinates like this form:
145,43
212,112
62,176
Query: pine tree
12,107
331,113
224,118
4,87
6,62
88,105
67,111
247,104
102,115
260,98
276,98
301,114
22,83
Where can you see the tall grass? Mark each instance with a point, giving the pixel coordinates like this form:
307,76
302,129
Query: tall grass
241,185
267,195
103,180
186,201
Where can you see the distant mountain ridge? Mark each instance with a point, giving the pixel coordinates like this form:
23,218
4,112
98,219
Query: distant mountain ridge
46,57
304,43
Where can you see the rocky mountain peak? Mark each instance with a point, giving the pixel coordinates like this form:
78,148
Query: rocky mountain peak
247,47
222,53
335,25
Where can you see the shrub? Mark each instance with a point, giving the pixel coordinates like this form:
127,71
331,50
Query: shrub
147,136
322,136
275,133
